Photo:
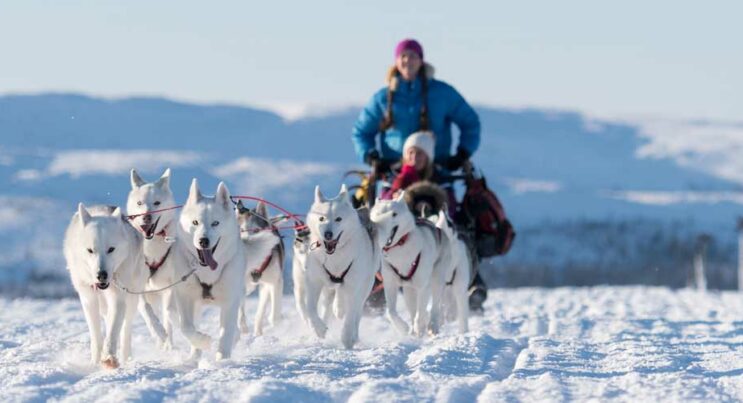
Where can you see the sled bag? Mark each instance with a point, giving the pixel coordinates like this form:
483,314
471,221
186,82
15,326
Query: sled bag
494,234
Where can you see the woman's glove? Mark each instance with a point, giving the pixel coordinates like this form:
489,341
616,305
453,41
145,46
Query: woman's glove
455,161
379,165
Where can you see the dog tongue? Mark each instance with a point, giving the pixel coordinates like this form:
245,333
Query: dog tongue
209,259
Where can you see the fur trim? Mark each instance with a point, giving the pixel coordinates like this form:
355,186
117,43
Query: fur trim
428,192
393,80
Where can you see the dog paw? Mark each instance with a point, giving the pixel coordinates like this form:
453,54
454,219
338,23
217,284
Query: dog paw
110,362
348,341
320,330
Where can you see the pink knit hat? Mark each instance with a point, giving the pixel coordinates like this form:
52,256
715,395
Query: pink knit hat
409,44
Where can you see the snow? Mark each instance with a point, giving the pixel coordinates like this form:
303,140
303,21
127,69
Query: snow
115,162
259,176
713,147
667,198
524,185
601,344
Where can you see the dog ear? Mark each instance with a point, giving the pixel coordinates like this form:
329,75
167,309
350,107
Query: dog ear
441,221
164,181
194,194
343,195
261,210
240,206
136,179
223,195
319,198
82,212
116,212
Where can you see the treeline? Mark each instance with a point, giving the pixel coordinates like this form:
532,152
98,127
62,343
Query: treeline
638,251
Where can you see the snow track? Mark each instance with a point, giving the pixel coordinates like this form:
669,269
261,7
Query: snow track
602,343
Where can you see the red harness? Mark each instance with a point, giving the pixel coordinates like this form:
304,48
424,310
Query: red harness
400,242
256,274
154,266
335,279
413,268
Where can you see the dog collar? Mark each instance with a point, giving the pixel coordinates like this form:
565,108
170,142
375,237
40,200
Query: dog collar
400,242
413,268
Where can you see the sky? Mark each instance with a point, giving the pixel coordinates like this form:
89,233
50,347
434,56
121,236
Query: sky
670,59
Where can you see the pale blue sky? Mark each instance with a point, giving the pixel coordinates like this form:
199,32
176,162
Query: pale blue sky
680,59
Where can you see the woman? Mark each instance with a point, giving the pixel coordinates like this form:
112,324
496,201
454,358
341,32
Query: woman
414,101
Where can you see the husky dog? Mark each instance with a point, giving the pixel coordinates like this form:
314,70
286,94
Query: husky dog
264,256
101,248
456,274
208,238
412,259
343,257
158,230
301,249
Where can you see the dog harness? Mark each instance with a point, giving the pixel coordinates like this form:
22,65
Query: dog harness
257,273
453,275
335,279
206,290
413,268
154,266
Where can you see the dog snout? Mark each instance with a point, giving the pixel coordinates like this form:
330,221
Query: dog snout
328,235
204,242
147,218
102,276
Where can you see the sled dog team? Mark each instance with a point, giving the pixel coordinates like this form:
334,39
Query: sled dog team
214,252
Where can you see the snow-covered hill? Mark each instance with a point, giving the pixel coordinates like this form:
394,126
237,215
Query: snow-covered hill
565,344
561,175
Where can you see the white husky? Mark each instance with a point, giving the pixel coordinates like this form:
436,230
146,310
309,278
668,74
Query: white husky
101,248
210,245
158,230
300,248
343,257
456,274
413,260
264,256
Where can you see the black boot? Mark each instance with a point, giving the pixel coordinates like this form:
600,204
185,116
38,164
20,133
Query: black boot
478,294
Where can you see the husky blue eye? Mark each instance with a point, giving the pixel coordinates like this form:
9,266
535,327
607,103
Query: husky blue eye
111,249
215,223
90,250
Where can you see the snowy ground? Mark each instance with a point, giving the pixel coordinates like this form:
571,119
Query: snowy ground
605,343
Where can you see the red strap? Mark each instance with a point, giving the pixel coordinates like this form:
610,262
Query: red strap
413,268
263,266
154,267
400,242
